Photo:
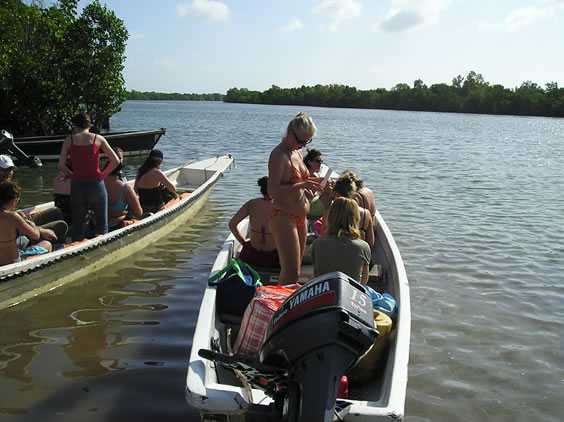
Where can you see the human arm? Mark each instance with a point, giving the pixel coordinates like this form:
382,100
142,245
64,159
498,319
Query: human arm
364,279
110,153
236,219
26,227
369,230
132,201
47,234
166,182
62,164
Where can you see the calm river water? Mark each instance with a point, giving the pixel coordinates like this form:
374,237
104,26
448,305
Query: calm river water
476,207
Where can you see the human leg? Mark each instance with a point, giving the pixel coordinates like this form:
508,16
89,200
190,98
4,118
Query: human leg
46,244
286,237
47,216
99,200
79,207
59,227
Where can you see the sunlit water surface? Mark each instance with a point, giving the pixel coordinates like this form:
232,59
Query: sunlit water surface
475,204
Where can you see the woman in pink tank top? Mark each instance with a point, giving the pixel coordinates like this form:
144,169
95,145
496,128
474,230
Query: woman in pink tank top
87,181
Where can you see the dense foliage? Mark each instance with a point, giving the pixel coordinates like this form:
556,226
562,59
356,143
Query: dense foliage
54,63
465,95
138,95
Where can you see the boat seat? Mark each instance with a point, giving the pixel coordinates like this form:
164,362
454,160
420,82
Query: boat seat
184,190
375,274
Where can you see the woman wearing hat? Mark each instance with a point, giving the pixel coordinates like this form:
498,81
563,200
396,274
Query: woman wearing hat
87,180
152,185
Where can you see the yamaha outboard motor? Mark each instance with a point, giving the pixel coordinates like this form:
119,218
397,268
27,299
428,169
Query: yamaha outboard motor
319,332
7,145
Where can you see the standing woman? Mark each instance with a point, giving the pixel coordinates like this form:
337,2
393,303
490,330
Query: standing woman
291,190
87,181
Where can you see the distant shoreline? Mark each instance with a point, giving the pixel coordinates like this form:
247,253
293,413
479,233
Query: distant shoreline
470,96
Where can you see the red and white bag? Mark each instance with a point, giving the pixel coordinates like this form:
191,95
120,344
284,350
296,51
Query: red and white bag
265,302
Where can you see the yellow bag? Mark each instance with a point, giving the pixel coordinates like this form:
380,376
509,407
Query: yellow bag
367,367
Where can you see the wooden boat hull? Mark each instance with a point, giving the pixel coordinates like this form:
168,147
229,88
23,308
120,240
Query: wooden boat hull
132,143
26,279
383,399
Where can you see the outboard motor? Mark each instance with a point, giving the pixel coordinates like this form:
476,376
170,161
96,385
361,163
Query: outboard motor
319,332
7,145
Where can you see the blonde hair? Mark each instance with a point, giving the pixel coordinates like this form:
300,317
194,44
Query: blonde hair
343,218
302,124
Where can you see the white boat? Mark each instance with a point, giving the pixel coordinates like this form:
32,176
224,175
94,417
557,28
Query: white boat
220,397
194,181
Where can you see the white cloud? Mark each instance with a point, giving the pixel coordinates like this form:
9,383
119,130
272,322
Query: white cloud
338,11
404,15
293,25
521,17
205,9
136,35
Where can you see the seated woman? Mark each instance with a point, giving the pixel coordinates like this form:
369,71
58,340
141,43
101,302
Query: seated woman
363,196
318,203
122,199
12,224
260,249
345,187
152,185
342,249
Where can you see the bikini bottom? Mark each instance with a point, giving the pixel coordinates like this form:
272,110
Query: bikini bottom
258,258
300,220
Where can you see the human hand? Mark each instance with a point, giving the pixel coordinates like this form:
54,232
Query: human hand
47,234
312,185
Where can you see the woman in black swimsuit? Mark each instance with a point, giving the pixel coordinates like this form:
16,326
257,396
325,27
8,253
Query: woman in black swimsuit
152,185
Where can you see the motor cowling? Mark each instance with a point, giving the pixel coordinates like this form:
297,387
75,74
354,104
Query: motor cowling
319,332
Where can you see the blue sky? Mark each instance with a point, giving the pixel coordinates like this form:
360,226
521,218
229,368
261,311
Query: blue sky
205,46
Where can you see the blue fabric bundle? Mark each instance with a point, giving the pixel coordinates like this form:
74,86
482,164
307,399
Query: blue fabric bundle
383,302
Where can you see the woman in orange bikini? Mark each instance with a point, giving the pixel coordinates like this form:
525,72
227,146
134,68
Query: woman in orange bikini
291,190
260,249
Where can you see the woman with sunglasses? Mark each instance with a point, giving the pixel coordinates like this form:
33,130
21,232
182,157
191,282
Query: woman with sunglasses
318,203
291,190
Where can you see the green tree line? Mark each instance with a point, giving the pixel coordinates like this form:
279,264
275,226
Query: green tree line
138,95
54,62
470,94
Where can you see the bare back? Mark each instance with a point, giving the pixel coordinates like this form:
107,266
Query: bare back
259,222
365,199
153,179
8,249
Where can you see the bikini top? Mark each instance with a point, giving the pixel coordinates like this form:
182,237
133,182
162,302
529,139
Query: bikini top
119,205
297,176
263,233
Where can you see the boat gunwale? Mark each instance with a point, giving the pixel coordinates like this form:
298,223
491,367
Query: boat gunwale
16,270
389,406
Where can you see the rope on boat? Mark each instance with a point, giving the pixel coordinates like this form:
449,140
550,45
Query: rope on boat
238,373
